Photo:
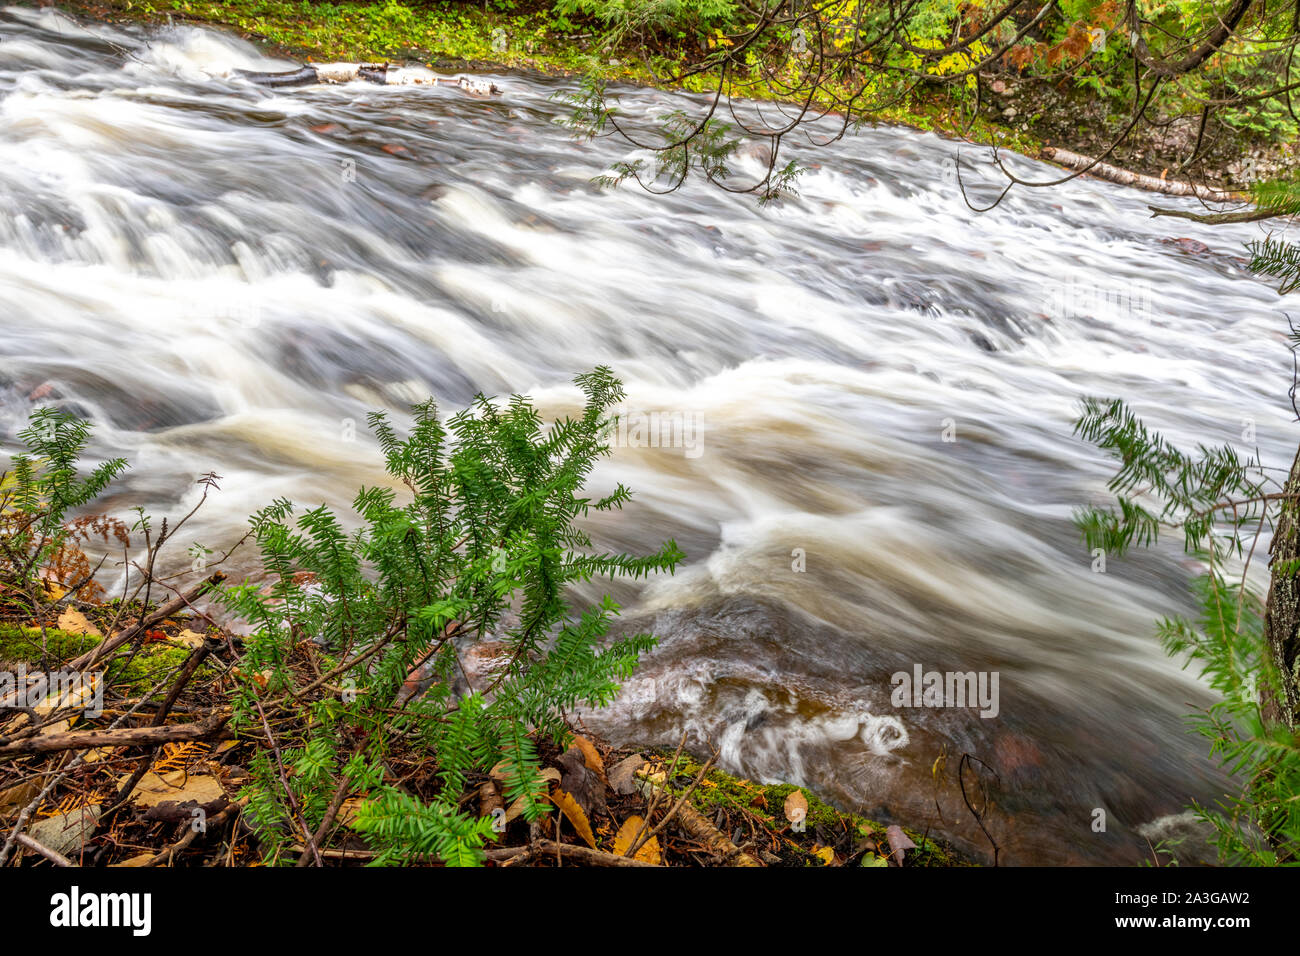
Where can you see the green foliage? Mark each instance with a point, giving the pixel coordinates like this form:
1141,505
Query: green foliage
1157,485
1278,260
626,18
41,489
1273,257
485,546
1217,502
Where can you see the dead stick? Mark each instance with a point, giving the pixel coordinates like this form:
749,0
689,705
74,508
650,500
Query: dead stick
167,610
129,737
336,804
58,859
169,854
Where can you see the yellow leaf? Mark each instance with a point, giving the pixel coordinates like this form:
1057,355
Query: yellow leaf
74,622
824,853
569,807
649,852
351,806
189,638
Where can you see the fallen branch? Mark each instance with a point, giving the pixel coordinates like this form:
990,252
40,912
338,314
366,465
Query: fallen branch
697,826
1124,177
129,737
169,854
58,859
111,644
586,855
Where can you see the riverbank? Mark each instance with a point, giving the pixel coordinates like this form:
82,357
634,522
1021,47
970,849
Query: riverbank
118,811
1018,112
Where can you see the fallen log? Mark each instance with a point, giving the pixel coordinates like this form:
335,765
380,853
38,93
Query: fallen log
1124,177
379,73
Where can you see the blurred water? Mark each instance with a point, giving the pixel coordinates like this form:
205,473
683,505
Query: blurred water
229,278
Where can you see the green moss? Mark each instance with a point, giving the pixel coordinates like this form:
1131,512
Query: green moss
155,661
765,805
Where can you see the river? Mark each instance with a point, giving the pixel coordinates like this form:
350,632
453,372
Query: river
871,389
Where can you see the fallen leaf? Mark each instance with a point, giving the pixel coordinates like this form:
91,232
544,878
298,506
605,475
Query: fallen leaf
796,807
74,622
621,777
582,784
872,860
590,755
569,807
138,860
824,853
189,638
16,797
631,829
549,774
898,842
176,785
350,808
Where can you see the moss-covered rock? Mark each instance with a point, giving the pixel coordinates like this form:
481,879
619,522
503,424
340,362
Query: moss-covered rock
758,811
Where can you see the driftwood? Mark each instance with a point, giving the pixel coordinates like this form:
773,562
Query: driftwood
1124,177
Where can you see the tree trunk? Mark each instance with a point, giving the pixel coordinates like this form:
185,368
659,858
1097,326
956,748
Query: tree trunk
1282,612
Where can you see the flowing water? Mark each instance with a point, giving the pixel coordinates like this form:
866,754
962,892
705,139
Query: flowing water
870,390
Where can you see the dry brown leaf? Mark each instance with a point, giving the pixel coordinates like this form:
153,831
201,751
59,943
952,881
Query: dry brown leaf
155,788
549,774
621,779
899,843
98,754
18,796
796,807
351,807
590,756
569,807
649,852
74,622
138,860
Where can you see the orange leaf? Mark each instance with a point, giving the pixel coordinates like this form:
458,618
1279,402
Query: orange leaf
569,807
